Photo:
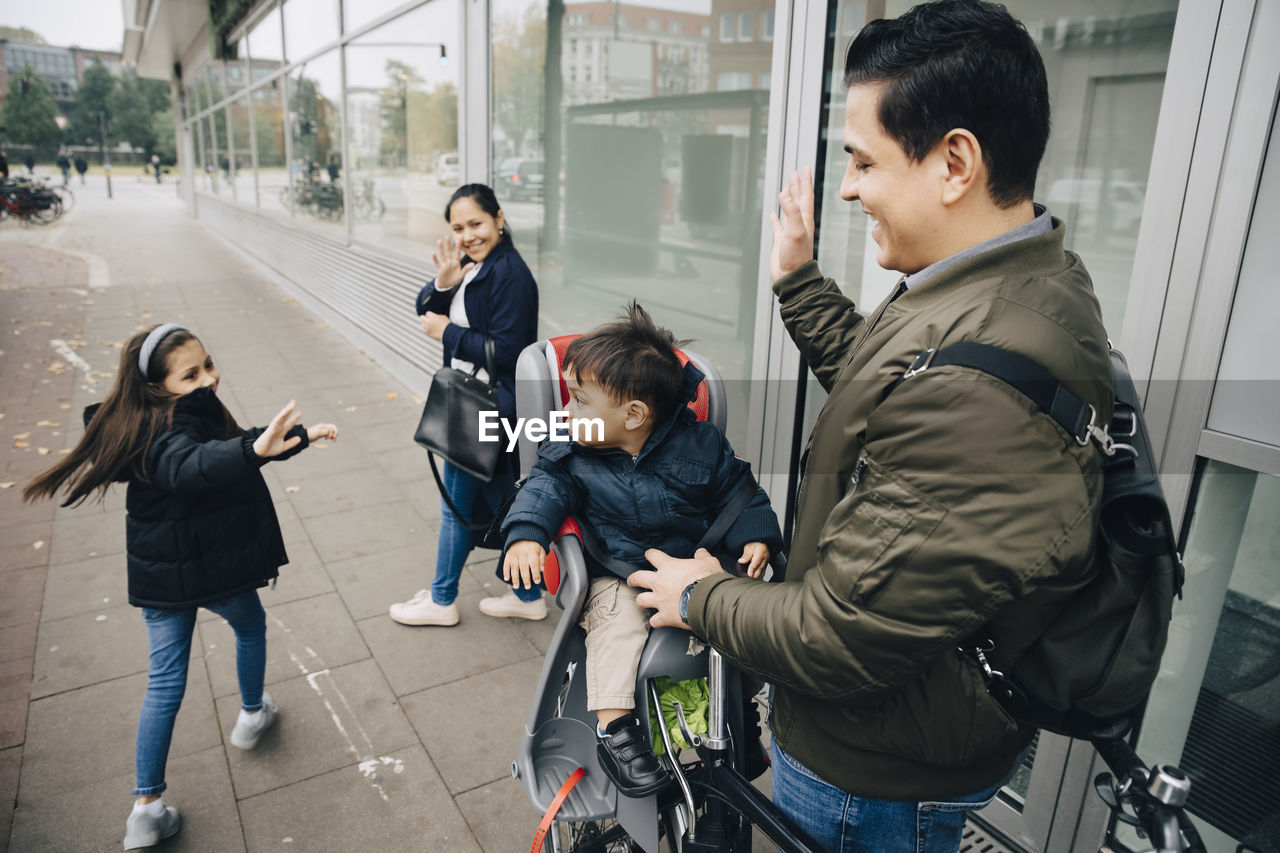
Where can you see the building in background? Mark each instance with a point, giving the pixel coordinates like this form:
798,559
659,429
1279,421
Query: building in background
649,138
61,68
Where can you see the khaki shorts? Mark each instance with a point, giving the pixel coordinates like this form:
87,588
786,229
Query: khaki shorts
616,632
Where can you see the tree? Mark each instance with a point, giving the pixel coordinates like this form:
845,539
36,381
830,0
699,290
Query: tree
29,115
519,54
91,100
132,113
403,79
432,124
162,129
21,34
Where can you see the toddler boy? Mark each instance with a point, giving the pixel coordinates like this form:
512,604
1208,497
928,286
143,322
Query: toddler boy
655,478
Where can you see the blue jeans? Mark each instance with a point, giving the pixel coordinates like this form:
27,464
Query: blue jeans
457,541
843,823
169,635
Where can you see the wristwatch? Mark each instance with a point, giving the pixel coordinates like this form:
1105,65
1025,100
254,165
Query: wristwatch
684,602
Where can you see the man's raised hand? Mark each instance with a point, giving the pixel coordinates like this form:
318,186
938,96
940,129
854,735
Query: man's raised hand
793,232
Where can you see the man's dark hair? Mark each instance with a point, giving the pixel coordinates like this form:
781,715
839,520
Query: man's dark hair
960,64
632,358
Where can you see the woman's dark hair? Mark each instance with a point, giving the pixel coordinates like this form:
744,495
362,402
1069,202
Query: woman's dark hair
632,358
484,196
115,441
960,64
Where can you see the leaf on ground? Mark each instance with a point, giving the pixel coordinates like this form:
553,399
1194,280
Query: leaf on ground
291,489
21,444
419,400
43,451
64,451
60,406
50,424
349,409
7,484
38,544
22,435
392,395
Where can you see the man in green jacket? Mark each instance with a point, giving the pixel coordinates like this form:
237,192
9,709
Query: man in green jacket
952,508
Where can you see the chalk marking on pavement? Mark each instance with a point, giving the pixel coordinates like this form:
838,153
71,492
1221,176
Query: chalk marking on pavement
367,766
60,346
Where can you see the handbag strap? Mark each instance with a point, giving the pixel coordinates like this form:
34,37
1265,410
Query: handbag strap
444,493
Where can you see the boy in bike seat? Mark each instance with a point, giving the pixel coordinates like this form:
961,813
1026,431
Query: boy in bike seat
653,477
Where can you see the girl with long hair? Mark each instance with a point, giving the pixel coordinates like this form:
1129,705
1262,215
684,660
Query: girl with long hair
201,531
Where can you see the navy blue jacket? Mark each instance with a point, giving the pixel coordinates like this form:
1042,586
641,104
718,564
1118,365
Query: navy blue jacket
667,497
501,303
201,527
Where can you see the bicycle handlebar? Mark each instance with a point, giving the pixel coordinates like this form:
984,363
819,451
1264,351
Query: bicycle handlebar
1158,797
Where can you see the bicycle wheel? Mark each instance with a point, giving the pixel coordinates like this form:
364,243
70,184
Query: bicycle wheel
68,198
45,215
607,836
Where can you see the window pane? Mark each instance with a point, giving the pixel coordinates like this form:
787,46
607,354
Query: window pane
624,194
241,156
358,14
269,130
314,93
236,75
1246,399
265,40
402,99
308,26
1215,707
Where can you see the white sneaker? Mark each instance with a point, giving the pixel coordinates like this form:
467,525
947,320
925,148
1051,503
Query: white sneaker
145,829
508,606
422,610
250,726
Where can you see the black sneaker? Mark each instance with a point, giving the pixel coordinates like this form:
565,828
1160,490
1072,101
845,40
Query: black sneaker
626,758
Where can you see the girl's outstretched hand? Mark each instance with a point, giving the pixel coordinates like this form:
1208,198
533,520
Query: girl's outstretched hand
274,439
318,431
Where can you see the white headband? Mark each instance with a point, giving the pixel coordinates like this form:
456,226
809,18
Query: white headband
158,334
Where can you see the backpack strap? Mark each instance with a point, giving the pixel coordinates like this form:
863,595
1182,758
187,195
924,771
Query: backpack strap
1077,417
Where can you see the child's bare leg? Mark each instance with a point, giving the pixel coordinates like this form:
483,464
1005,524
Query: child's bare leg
605,716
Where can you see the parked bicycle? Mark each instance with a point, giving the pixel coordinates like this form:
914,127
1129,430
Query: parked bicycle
367,205
321,200
29,201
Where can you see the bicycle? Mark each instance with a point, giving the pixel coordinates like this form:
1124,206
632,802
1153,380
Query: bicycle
367,205
29,202
711,805
1151,799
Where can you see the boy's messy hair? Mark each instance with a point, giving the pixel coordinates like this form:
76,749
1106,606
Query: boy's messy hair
632,358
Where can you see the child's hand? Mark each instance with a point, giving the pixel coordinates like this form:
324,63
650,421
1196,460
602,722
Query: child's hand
756,556
524,563
273,440
318,431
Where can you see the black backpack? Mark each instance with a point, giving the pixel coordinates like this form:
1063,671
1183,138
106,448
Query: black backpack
1088,675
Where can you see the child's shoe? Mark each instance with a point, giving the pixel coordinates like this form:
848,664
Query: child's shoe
626,758
509,607
422,610
150,824
250,726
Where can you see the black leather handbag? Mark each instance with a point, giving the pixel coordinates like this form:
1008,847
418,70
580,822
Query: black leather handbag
450,424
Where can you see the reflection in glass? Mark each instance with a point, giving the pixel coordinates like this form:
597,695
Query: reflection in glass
402,108
308,26
269,131
368,11
316,131
241,155
265,40
1215,707
646,181
222,151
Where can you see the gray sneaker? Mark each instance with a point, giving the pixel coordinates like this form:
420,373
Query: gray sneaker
145,830
249,727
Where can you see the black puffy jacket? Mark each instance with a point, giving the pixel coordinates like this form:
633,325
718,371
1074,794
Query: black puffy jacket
201,527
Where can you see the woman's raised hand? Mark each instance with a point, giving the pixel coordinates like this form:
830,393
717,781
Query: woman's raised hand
448,260
793,233
274,439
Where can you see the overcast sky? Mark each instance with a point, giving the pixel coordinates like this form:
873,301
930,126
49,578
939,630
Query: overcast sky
95,24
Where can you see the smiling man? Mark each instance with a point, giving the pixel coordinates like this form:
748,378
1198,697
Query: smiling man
948,510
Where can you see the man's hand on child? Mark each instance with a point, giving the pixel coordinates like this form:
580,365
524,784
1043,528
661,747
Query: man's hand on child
524,563
319,431
274,440
756,556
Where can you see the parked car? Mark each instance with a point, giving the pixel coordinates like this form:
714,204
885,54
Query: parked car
519,178
448,170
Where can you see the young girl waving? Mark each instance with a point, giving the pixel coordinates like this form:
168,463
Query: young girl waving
201,531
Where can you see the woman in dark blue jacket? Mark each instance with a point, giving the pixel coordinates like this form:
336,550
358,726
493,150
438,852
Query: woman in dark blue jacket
482,289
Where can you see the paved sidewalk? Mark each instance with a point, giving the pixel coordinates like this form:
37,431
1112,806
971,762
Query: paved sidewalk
390,738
